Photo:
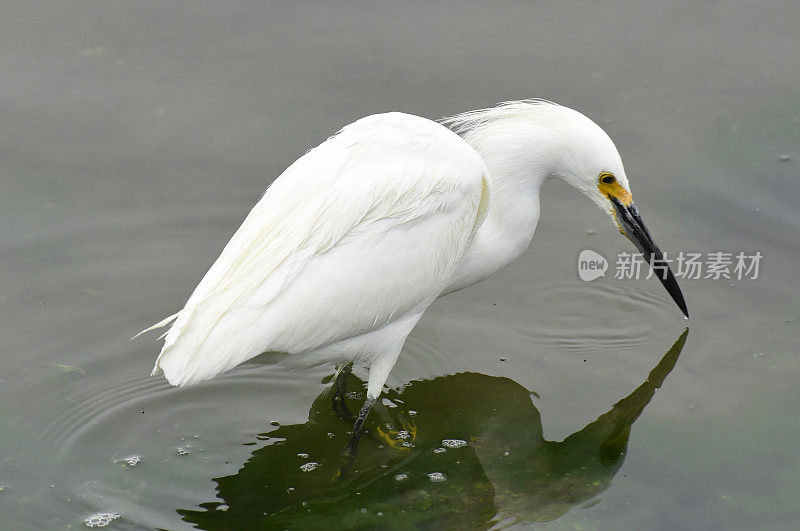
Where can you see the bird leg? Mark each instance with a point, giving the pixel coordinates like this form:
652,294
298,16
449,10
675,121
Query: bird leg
340,390
348,454
378,372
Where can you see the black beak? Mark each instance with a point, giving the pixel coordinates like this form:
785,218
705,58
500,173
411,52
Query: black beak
634,228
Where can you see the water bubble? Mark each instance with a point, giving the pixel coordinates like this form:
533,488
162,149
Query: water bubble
308,467
401,477
132,460
453,443
302,455
403,435
331,435
439,450
363,509
412,412
183,451
437,477
100,519
222,507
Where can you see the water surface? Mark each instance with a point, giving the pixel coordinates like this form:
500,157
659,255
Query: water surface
135,137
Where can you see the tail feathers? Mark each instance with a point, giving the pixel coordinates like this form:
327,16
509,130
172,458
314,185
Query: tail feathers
175,371
159,324
180,368
202,348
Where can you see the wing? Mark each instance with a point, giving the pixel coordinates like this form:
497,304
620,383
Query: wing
361,230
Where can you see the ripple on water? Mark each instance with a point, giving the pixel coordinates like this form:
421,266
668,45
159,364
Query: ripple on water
427,351
96,408
601,315
92,427
95,403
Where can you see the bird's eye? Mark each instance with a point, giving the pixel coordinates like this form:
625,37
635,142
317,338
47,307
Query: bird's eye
606,178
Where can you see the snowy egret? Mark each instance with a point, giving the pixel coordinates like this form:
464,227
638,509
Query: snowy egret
350,245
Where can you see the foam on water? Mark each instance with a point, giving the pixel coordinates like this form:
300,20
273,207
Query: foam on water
100,519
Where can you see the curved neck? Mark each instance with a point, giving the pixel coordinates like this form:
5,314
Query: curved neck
523,143
512,216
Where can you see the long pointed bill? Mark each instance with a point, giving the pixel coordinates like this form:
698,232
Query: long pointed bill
632,226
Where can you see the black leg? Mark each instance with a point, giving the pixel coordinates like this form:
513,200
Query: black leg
339,392
348,454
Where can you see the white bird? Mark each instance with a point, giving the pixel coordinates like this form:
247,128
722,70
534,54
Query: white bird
349,246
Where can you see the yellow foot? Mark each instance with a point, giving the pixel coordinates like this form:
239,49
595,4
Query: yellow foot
402,439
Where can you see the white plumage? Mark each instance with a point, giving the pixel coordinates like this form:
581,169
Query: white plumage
350,245
363,231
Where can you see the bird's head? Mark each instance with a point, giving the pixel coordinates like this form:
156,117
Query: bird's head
589,160
530,141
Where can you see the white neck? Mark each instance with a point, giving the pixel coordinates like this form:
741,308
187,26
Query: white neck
524,143
513,208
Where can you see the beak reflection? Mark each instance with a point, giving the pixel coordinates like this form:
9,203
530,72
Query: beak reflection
633,227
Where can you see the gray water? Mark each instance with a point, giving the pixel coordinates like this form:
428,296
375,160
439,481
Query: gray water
135,137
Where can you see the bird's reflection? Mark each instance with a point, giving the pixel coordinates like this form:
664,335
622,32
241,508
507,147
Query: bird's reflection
413,472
